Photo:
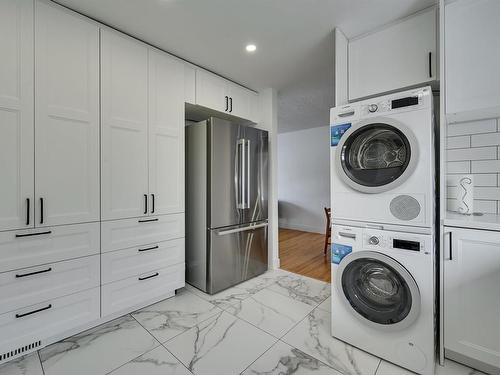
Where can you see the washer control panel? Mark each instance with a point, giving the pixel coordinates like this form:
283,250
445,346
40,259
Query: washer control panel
380,240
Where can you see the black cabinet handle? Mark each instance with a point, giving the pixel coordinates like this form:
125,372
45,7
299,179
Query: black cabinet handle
149,248
430,64
149,277
34,273
41,210
230,105
148,220
145,204
33,234
34,311
227,103
27,211
152,203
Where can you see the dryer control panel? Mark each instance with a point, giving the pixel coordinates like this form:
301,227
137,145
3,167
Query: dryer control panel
389,104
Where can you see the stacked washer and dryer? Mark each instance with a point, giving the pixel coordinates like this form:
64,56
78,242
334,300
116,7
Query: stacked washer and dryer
383,213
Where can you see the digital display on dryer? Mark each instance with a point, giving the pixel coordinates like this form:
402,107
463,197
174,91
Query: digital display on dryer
405,245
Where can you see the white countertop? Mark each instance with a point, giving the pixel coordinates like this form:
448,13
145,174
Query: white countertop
485,221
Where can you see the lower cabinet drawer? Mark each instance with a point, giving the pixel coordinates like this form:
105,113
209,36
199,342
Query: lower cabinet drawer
29,327
20,249
29,286
122,264
125,294
125,233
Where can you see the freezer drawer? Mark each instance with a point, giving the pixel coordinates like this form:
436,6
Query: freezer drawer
236,254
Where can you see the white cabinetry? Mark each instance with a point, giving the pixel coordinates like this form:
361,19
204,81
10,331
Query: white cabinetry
166,134
142,129
472,296
66,117
398,56
472,50
124,126
222,95
16,115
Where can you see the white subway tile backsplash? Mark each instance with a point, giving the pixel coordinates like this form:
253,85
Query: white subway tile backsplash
475,127
478,153
458,167
458,142
490,139
480,179
485,207
486,166
474,148
482,192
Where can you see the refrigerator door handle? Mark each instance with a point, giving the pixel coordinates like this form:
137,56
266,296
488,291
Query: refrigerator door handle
240,162
238,230
247,175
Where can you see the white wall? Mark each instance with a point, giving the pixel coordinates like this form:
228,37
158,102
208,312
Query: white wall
304,179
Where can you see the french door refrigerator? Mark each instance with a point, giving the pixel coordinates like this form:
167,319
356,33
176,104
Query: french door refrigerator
226,204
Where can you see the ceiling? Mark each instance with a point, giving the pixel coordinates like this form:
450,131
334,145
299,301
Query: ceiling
293,37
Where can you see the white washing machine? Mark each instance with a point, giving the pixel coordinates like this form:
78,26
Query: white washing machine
382,160
383,294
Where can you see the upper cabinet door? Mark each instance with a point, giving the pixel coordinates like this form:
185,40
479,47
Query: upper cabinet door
472,295
401,55
212,91
124,127
240,102
16,114
66,117
166,134
472,50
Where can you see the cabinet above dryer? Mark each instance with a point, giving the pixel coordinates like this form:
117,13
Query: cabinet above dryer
400,55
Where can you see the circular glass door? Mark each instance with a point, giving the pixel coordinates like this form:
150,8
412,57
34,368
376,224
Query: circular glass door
377,156
378,288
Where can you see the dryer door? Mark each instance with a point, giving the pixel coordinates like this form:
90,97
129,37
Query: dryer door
376,155
378,289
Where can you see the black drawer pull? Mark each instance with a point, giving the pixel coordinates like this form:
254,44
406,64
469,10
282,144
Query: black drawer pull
149,248
34,273
149,277
148,220
33,234
34,311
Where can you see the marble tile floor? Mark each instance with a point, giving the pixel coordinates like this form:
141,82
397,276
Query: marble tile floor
275,324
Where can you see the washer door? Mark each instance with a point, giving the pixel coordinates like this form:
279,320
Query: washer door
376,155
378,289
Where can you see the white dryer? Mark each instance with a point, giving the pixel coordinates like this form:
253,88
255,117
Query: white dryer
382,160
383,295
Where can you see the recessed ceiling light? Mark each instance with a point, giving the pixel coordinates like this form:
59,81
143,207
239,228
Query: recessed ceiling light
251,47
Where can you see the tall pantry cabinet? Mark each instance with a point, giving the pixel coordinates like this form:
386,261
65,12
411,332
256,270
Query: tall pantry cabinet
91,174
142,129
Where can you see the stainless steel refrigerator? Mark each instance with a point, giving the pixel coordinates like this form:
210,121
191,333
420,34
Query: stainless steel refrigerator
226,204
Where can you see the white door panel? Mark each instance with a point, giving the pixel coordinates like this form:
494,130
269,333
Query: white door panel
472,295
166,134
16,115
124,126
66,117
211,91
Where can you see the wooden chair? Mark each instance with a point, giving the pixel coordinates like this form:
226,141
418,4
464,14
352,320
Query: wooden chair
328,230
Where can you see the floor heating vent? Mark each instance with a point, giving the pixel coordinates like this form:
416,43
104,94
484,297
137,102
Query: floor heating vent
4,357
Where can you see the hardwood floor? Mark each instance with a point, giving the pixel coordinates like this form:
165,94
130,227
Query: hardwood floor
302,253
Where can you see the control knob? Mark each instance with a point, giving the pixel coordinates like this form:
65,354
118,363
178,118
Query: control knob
374,240
372,108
